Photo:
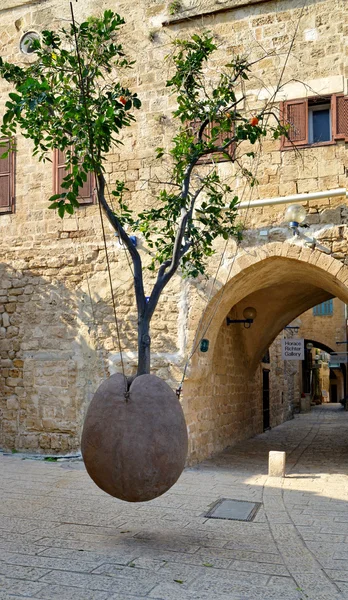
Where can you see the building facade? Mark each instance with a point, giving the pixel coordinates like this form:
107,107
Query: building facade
57,335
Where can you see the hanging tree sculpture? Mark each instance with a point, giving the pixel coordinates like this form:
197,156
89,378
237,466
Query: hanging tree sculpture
71,99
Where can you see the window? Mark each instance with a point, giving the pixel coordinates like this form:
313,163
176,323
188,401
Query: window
315,120
324,309
6,179
217,156
319,124
266,358
87,194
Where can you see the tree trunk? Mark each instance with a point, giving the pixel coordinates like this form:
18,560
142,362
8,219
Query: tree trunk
144,344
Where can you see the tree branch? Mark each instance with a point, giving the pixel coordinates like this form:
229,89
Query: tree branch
138,271
165,275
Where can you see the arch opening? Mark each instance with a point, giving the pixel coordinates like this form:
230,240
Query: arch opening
225,387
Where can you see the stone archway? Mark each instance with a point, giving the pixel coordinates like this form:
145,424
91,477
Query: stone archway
281,281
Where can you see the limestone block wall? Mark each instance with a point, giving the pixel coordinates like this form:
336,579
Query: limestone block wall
44,361
225,407
284,384
58,336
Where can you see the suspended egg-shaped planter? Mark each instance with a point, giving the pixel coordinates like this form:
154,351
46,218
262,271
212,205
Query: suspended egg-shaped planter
134,448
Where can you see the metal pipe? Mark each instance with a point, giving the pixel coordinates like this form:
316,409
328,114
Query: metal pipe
294,198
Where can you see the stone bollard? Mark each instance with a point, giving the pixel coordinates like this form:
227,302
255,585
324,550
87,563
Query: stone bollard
276,464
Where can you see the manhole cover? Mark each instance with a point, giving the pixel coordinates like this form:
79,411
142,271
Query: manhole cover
234,510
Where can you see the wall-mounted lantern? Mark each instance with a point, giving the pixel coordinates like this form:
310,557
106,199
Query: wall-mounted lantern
26,44
249,315
204,345
295,215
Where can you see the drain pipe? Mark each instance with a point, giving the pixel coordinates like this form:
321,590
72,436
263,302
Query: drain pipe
294,198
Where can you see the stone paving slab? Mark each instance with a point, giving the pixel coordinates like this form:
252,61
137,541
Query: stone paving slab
61,538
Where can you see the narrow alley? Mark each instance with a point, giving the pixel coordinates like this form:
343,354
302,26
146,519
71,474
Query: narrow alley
62,538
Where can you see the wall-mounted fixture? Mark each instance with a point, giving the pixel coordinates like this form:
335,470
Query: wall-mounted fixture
132,238
295,215
318,361
26,44
249,315
204,345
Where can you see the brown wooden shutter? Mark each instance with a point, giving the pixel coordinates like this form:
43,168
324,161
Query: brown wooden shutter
339,111
218,156
295,114
6,179
231,150
86,195
59,171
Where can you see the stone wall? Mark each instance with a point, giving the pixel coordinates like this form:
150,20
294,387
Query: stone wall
326,329
58,335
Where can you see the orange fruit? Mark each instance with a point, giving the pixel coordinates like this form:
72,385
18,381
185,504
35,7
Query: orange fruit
123,100
253,121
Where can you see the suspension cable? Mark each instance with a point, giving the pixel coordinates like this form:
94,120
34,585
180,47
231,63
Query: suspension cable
196,344
90,137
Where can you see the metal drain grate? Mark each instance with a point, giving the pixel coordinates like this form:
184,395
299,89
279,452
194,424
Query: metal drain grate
233,510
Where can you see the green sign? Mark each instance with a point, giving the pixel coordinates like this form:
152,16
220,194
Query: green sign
204,345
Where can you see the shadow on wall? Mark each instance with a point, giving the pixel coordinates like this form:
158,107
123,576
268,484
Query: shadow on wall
53,341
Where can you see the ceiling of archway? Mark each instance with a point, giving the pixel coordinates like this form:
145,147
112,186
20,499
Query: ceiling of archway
276,305
278,271
280,289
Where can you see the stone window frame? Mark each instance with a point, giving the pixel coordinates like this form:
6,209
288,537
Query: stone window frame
295,113
9,206
87,199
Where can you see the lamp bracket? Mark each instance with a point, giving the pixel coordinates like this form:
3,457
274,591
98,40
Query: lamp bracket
247,322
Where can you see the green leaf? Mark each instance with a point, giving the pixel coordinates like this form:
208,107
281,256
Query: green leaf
61,210
14,97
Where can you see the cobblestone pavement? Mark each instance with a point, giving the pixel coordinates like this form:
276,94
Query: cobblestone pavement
62,538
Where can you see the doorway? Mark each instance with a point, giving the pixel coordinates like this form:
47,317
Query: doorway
333,392
265,399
